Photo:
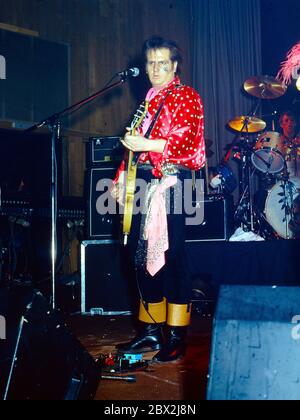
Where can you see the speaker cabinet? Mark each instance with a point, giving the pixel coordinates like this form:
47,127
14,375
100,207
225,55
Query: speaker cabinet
108,284
217,224
40,358
256,349
101,224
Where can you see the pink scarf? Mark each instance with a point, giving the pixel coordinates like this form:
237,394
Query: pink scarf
156,226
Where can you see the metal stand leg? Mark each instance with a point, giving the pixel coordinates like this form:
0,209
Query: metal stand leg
14,359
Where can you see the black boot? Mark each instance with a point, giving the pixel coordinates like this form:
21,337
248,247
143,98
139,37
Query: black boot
150,338
175,346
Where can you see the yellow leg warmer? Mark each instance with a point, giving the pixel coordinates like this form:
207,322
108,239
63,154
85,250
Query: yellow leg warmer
153,312
179,315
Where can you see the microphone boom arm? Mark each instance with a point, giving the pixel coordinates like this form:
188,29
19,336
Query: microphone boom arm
55,117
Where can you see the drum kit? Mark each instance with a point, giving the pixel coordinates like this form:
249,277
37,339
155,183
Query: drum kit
265,154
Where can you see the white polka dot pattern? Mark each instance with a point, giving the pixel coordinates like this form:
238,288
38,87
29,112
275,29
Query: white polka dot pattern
181,124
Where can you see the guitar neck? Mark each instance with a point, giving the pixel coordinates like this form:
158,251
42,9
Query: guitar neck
133,156
132,159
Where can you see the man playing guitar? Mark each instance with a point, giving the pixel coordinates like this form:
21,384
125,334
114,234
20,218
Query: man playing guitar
170,144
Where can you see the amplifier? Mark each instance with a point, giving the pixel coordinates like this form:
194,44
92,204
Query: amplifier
108,284
103,149
218,220
99,226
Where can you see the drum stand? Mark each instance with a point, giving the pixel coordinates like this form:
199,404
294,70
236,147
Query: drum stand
245,212
245,206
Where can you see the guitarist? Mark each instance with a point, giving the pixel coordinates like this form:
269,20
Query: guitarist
173,148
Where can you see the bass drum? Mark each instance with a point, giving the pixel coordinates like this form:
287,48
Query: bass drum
275,206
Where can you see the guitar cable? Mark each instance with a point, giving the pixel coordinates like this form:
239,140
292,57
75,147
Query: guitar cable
142,298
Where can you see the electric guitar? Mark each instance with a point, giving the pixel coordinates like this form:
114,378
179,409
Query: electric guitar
131,169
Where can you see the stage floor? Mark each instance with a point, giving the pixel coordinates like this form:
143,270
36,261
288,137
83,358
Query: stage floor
184,379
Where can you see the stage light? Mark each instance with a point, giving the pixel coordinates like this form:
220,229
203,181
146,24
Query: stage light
298,83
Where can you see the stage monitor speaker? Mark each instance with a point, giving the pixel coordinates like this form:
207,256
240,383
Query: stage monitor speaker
40,359
256,348
100,226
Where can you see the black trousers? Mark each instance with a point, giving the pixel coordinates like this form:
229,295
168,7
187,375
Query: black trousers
173,281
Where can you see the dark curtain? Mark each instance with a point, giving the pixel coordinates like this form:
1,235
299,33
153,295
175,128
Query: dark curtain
226,52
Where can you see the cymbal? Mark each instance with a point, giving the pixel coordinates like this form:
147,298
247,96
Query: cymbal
265,87
245,124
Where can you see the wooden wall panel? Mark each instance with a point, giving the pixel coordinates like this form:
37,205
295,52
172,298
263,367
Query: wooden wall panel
104,37
77,161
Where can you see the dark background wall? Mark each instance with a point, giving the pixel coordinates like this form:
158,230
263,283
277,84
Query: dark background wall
280,31
105,36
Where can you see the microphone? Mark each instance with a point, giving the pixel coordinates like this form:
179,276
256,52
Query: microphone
132,72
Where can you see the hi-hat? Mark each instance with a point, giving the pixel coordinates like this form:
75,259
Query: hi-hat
264,87
246,124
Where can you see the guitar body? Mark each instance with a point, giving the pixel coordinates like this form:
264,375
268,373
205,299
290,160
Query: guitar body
131,170
129,196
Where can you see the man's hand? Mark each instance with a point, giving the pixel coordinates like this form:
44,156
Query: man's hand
135,143
118,194
138,143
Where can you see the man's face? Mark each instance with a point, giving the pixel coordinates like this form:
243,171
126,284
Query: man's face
160,68
288,124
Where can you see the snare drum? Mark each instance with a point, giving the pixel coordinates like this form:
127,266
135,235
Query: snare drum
275,210
269,140
267,157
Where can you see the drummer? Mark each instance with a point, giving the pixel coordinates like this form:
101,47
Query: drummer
290,142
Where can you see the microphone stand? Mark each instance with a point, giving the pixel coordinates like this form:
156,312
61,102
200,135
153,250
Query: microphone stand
54,124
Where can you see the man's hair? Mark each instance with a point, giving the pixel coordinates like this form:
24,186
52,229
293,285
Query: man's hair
157,42
289,114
